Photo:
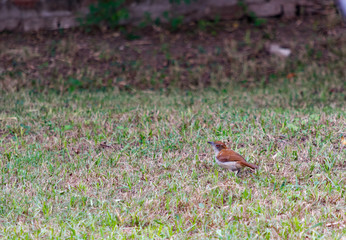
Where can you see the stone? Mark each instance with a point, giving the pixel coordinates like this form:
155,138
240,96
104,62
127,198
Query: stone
279,51
61,13
269,9
220,3
67,22
29,13
228,13
10,24
32,24
289,10
9,12
254,1
137,10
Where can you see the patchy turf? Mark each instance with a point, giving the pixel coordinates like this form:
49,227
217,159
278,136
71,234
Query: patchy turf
119,165
136,164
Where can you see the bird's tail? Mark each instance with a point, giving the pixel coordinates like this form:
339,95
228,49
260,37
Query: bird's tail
250,165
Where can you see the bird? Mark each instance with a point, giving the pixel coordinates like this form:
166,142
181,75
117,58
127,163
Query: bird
229,159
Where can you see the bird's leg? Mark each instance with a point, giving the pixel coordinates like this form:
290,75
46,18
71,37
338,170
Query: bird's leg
237,172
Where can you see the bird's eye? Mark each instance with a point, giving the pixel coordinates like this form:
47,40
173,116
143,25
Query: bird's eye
217,145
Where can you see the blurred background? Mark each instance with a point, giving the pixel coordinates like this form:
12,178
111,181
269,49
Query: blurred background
163,44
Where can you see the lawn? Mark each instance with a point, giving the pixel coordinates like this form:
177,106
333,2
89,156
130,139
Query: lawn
119,165
125,163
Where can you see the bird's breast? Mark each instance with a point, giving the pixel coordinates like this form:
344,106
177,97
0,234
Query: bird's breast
233,165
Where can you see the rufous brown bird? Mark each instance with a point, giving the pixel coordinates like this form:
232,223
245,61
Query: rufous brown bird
228,158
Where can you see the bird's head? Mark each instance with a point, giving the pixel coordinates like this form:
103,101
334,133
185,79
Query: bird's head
218,146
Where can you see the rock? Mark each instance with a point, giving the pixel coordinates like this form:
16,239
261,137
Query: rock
268,9
228,13
32,24
279,51
289,10
9,24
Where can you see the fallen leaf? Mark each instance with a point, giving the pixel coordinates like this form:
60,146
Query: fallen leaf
290,75
343,141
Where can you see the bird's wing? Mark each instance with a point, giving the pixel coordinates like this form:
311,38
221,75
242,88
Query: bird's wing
231,156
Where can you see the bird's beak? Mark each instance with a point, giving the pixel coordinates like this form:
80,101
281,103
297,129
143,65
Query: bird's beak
211,142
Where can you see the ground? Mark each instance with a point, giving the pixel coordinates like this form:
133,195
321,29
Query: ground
81,161
196,57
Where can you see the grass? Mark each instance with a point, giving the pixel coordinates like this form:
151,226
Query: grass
81,162
120,166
